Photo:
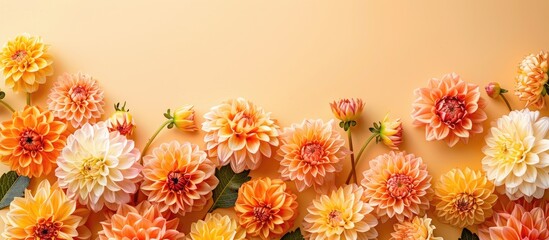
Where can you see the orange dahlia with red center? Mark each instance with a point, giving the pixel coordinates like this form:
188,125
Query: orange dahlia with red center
31,141
450,109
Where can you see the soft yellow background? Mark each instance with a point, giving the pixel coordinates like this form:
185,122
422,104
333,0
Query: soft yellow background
290,57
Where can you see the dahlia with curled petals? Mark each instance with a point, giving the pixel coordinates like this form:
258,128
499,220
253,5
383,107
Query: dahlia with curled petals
216,226
77,99
266,208
144,221
311,153
518,224
531,82
240,133
48,214
98,167
419,228
31,141
178,177
25,63
342,214
397,185
450,109
464,197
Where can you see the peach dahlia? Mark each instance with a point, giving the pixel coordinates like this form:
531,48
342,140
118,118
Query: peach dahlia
531,82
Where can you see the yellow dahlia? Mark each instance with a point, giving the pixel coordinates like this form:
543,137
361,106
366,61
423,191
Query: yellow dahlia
516,158
178,177
240,133
340,215
144,221
76,98
397,185
183,118
266,208
390,132
311,153
420,228
216,227
450,109
48,214
464,198
531,85
25,63
31,141
98,167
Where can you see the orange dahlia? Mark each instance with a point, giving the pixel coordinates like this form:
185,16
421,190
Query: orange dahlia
397,185
311,153
25,63
31,141
419,228
519,224
178,177
531,82
450,109
240,133
342,214
76,98
144,221
48,214
266,208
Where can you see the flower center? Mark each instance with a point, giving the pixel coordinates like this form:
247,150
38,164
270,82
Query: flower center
92,167
312,153
450,110
400,185
335,219
242,122
510,151
45,229
78,93
464,202
177,181
19,55
263,212
30,141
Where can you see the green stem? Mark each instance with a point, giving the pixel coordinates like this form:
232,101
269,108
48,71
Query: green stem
353,170
153,137
506,102
28,99
360,154
7,105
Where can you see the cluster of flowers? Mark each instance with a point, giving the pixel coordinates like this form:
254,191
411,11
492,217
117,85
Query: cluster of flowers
98,167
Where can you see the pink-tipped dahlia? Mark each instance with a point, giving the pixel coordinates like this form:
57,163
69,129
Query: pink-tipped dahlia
450,109
178,177
531,82
76,98
311,153
347,109
519,224
121,121
240,133
397,185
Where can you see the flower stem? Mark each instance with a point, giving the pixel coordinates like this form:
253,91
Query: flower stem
28,99
506,102
353,170
153,137
360,154
7,105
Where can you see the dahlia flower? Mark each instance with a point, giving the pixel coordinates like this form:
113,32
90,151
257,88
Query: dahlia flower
122,122
178,177
144,221
48,214
397,185
240,133
183,118
31,141
450,109
348,111
519,224
311,153
531,82
25,63
390,132
340,215
76,98
516,156
98,167
215,226
266,208
419,228
464,197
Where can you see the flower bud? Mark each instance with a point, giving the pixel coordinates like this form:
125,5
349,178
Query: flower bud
390,132
347,110
121,121
493,89
183,118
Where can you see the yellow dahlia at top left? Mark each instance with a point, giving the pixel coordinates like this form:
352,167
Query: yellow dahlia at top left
31,141
48,214
25,63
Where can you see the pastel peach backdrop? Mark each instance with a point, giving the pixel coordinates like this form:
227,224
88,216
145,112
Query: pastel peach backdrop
290,57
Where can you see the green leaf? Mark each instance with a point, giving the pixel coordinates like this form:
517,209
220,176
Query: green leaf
468,235
11,186
226,192
295,235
